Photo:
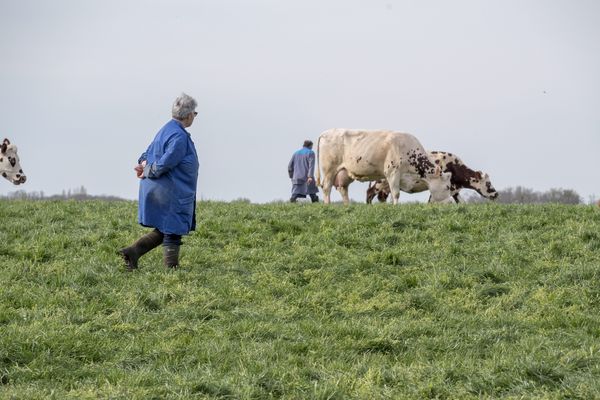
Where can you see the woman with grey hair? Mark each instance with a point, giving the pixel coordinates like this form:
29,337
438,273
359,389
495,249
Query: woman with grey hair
168,172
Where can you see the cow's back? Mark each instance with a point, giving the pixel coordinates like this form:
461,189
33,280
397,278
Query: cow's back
365,154
443,158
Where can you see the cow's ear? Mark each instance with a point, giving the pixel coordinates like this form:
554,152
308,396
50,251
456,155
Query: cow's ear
4,146
6,141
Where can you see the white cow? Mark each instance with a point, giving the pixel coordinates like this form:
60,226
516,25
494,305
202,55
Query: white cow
346,155
10,167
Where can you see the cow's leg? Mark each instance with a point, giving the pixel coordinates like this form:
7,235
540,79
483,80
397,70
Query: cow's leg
344,192
371,192
327,184
395,195
394,182
457,198
326,194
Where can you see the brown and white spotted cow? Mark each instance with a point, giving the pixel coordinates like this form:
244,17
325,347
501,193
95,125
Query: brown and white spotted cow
346,155
463,177
10,167
379,188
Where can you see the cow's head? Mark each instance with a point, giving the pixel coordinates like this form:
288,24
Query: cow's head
439,186
482,184
10,167
381,189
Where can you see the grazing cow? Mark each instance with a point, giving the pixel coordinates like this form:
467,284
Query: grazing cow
10,168
347,155
463,177
379,188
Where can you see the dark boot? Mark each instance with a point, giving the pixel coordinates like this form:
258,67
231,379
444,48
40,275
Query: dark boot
171,255
314,198
143,245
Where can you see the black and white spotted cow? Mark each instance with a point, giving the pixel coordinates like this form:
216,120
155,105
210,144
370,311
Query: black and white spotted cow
463,177
10,167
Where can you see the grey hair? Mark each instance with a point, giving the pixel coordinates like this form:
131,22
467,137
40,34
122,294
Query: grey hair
183,106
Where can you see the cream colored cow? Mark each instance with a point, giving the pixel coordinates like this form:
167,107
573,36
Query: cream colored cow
346,155
10,167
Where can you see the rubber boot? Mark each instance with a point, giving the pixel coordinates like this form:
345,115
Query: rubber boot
143,245
171,255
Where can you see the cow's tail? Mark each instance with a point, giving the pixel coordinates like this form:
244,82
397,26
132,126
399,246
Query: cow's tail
318,165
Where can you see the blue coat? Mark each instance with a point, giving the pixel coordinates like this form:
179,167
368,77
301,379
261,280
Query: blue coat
167,199
300,168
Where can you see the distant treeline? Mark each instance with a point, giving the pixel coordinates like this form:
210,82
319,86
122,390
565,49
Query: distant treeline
517,195
522,195
71,194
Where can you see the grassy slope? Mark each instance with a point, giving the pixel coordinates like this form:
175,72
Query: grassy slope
303,301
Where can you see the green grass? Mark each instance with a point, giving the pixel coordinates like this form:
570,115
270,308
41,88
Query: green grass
303,302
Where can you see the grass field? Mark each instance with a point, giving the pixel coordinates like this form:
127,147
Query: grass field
303,302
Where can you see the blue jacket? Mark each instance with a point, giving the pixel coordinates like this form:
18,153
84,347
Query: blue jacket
302,166
167,199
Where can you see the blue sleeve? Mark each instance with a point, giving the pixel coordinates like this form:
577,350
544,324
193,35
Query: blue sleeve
144,156
291,168
176,149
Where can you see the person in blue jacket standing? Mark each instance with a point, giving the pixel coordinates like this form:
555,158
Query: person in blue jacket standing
301,170
168,172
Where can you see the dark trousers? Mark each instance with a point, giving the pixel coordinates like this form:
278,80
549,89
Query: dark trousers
313,197
169,239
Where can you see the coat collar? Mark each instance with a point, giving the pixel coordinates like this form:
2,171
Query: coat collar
181,126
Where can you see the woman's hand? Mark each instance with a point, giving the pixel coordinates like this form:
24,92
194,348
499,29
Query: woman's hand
139,169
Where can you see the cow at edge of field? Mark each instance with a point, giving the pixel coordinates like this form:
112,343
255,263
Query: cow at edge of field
346,155
463,177
10,167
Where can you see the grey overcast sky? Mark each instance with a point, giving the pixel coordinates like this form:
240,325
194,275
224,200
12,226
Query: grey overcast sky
511,86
